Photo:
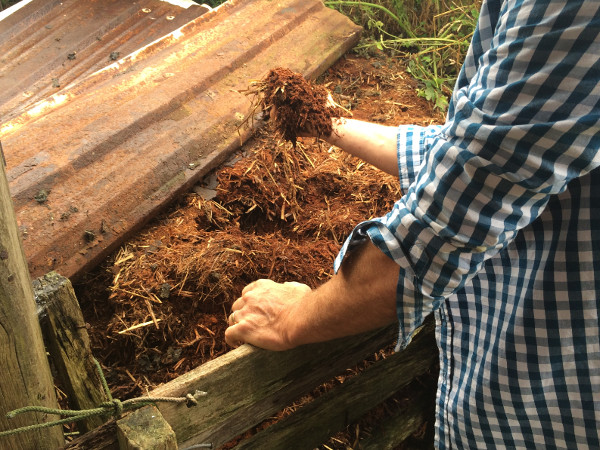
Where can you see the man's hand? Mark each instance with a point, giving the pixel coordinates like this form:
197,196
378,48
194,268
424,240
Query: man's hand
361,297
263,316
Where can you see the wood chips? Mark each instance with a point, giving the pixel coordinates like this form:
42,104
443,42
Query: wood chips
158,307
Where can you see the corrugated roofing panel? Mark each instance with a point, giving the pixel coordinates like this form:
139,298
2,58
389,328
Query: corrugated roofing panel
47,45
117,144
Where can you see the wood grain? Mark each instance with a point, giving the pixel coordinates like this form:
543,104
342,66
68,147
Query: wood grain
26,378
68,343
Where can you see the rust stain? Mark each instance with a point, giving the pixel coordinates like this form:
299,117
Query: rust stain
123,136
47,45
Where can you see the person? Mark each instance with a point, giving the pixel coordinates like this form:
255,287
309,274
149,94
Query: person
497,235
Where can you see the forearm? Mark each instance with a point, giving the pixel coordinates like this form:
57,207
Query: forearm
280,316
373,143
360,297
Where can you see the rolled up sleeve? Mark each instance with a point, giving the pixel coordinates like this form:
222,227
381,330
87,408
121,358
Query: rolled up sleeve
524,120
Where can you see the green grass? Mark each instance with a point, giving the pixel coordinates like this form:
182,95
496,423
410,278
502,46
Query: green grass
432,35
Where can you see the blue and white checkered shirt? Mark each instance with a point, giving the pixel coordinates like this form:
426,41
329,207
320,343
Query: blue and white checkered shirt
499,232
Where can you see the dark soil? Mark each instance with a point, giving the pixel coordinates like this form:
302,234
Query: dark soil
158,307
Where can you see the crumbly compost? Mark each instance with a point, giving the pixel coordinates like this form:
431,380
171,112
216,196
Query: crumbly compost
158,307
302,107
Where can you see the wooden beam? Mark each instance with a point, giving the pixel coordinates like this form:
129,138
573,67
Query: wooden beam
102,438
145,429
26,379
248,385
314,423
412,420
68,342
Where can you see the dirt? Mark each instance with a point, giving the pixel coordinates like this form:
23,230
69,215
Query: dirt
158,307
294,106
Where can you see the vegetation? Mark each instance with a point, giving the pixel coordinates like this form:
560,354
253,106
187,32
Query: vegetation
211,3
433,35
6,3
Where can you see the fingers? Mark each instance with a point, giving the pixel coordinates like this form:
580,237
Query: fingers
238,304
261,315
249,287
232,333
231,320
254,285
232,336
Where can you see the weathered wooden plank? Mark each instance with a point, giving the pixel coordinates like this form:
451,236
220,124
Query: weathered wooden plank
145,429
68,342
26,379
316,422
394,430
248,385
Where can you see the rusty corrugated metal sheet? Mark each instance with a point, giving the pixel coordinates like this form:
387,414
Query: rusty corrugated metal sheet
120,138
47,45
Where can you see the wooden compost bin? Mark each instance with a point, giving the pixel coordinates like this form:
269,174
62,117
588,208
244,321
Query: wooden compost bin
248,385
245,386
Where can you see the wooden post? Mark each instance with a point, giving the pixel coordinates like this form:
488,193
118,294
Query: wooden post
68,342
26,379
145,428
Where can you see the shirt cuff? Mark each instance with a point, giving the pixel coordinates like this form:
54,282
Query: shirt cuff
411,144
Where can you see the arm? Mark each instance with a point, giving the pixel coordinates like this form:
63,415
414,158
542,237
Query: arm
360,297
373,143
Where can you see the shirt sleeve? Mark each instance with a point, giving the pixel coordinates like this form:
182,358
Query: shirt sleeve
412,141
523,121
